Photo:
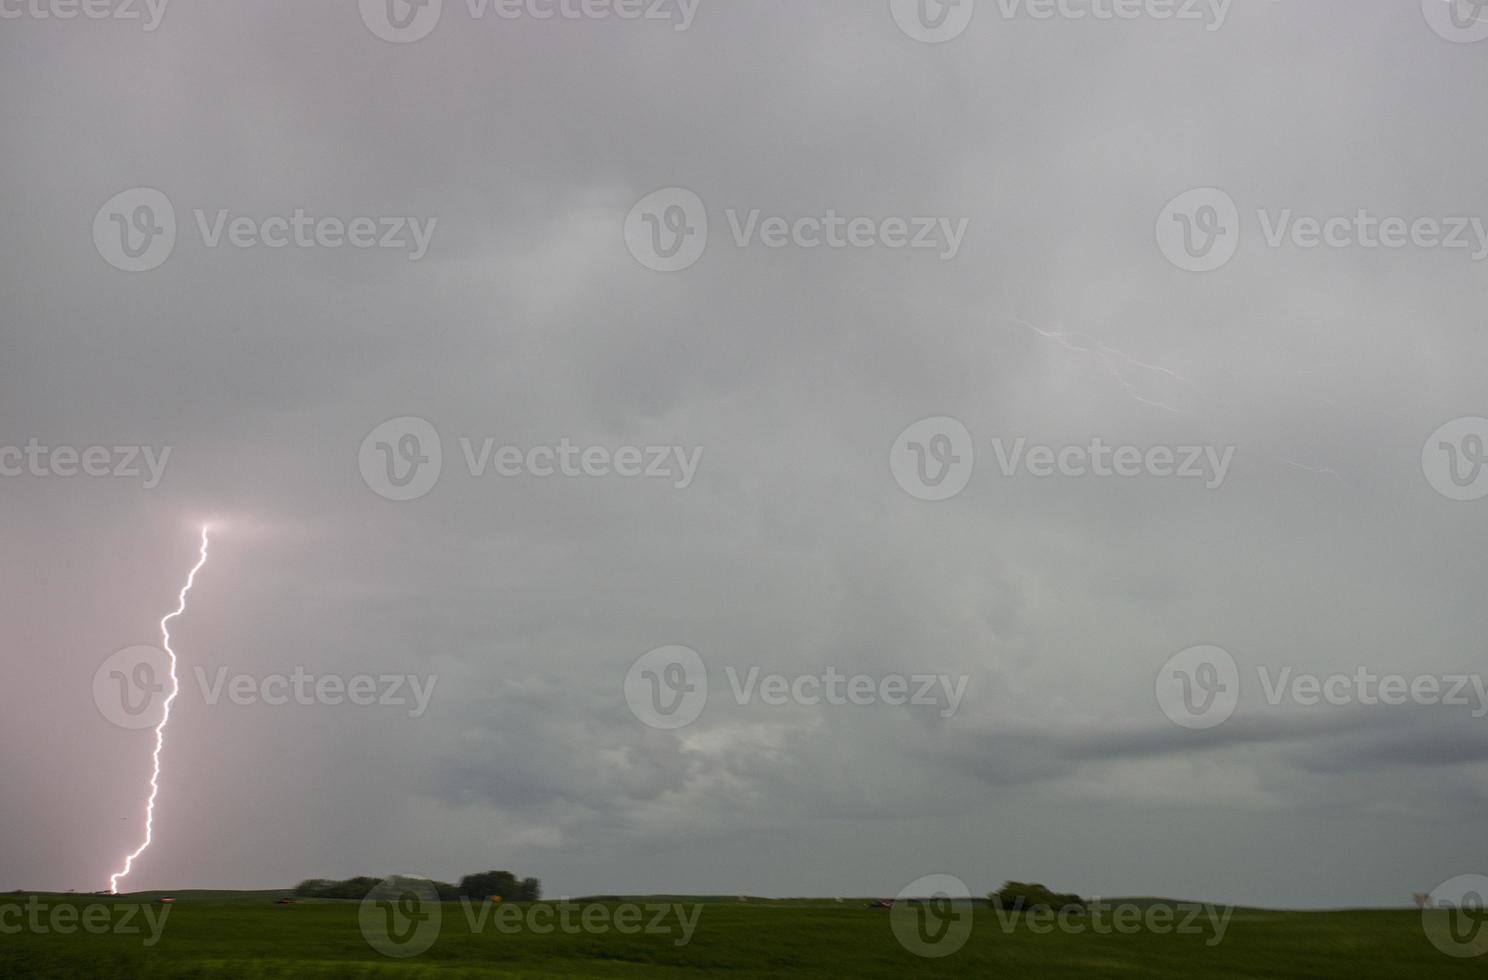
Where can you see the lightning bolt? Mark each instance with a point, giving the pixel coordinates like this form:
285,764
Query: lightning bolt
164,719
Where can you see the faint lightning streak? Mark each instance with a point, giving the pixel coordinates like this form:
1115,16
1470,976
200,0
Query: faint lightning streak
1105,354
164,719
1319,470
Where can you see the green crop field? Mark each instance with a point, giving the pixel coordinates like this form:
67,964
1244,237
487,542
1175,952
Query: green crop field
244,934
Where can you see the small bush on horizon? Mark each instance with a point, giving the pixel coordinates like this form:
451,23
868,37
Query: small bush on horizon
1021,896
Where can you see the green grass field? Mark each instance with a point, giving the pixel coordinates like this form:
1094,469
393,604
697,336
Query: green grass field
243,934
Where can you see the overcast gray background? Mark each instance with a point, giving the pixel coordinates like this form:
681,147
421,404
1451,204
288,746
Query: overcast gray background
795,549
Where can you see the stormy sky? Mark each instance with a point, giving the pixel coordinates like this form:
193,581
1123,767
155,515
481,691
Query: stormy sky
526,599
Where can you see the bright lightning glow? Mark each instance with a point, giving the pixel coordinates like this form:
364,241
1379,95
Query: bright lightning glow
175,688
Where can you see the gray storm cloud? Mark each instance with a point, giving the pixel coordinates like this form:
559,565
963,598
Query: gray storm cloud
518,147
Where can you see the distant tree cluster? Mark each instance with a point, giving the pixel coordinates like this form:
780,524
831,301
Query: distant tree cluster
501,884
356,888
1021,896
486,885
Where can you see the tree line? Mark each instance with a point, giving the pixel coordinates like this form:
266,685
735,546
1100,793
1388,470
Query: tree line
480,887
